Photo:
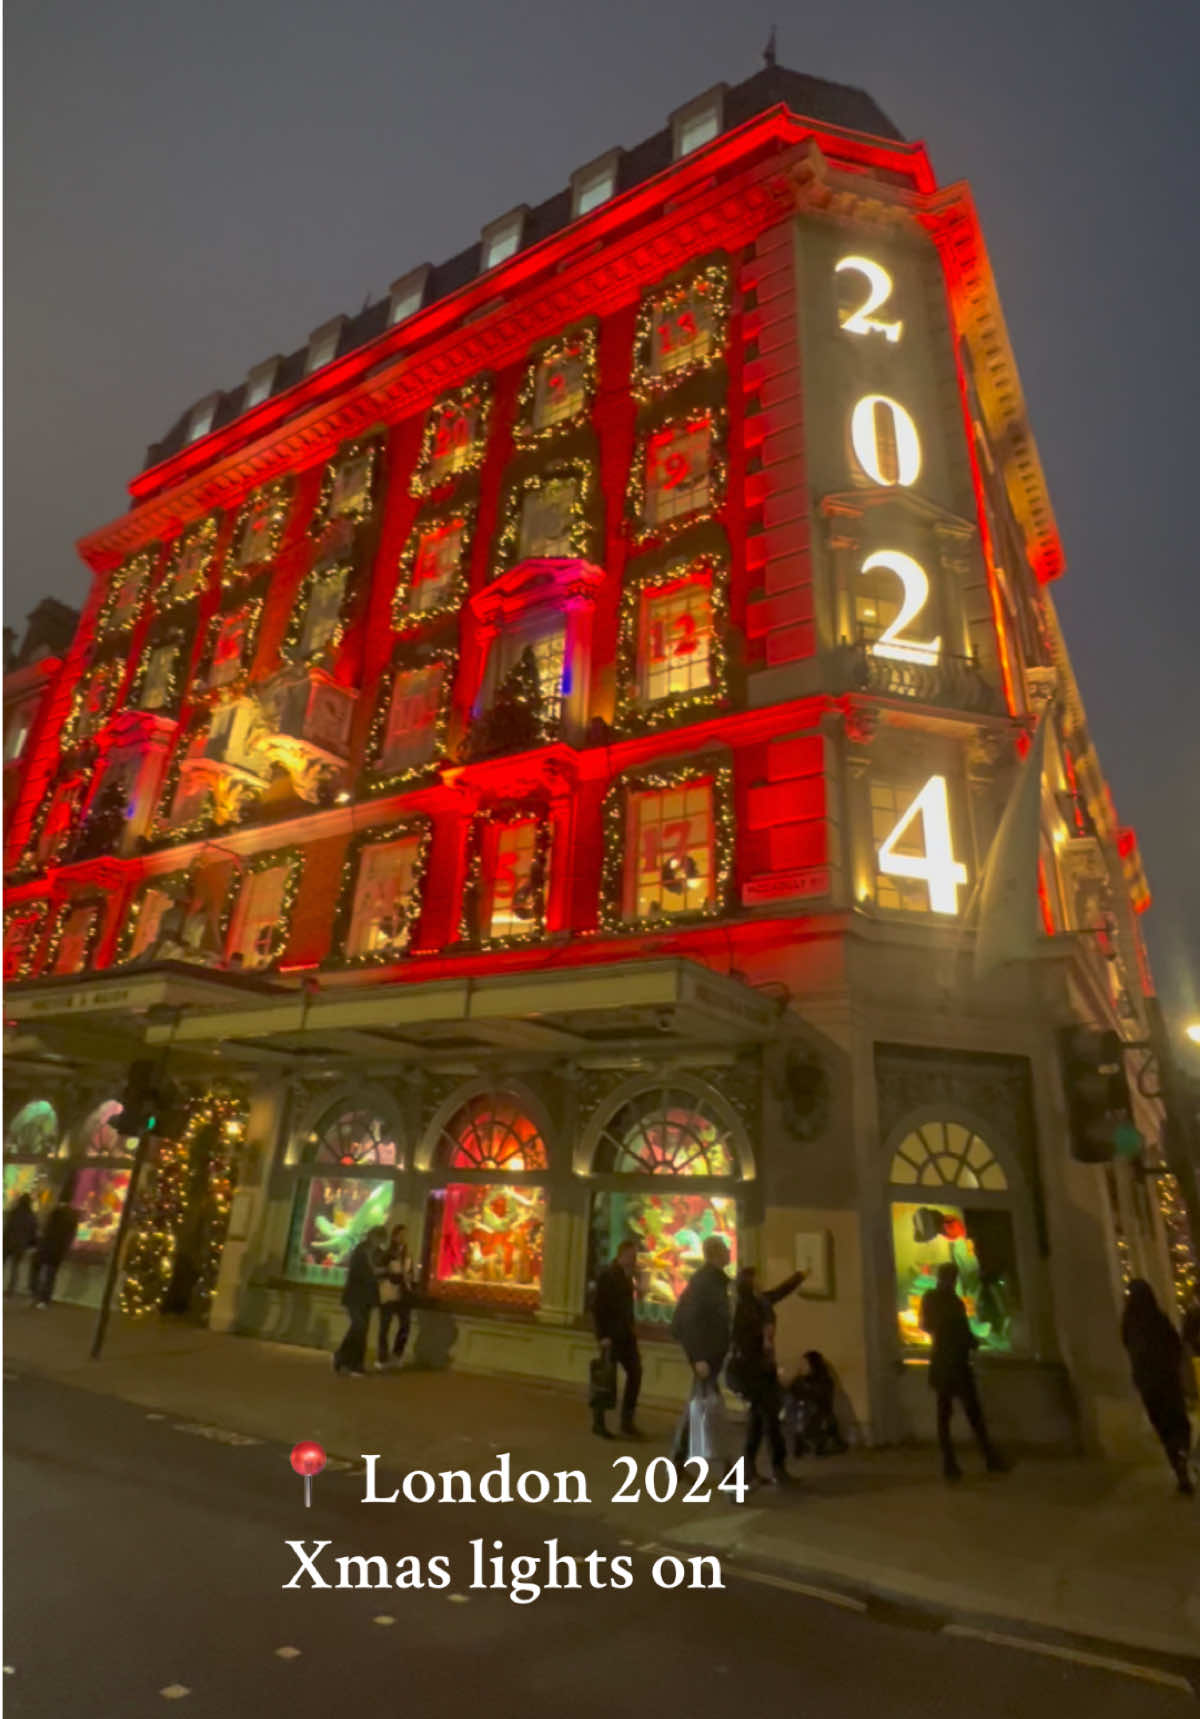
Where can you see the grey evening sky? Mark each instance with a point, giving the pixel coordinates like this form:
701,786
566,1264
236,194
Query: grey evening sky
192,187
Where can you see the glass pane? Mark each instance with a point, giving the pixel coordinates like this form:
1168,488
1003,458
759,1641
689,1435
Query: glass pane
33,1131
683,333
516,896
670,863
487,1135
412,719
678,464
546,519
487,1242
981,1245
356,1137
379,920
436,563
676,643
99,1198
670,1231
558,391
332,1215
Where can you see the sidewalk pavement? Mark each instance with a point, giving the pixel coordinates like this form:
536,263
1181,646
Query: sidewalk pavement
1091,1548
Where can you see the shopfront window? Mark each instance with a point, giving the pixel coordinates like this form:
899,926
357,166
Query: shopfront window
487,1221
31,1143
664,1135
951,1204
99,1198
347,1189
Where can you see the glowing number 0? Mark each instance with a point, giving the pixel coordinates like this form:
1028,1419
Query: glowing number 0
861,321
915,581
864,438
938,867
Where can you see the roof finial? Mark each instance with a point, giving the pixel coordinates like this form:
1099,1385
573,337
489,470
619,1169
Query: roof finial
769,50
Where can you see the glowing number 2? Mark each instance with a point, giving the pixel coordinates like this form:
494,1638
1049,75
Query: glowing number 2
864,438
861,321
915,582
937,867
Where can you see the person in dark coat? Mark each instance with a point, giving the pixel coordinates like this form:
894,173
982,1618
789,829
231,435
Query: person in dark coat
359,1298
944,1317
20,1234
811,1411
51,1250
752,1371
613,1314
701,1326
1156,1358
396,1296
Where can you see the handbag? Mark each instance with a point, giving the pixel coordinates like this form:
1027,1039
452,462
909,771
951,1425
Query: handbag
706,1424
602,1382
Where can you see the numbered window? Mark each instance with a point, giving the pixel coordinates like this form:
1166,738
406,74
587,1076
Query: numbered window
669,864
516,881
233,643
678,473
558,385
259,526
675,646
546,645
454,441
259,929
432,566
95,701
124,601
683,332
487,1220
347,486
384,903
187,570
410,729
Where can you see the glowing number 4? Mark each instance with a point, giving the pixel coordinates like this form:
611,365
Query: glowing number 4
937,867
915,582
879,282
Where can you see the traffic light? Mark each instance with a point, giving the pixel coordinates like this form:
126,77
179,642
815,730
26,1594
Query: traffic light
1099,1108
141,1101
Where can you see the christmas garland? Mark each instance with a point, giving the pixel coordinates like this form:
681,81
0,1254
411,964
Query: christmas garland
409,658
576,344
360,505
501,813
584,523
271,501
473,401
617,849
116,617
417,826
172,591
35,912
710,288
634,715
443,519
58,925
644,531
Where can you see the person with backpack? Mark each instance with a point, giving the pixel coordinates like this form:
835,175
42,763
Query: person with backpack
752,1371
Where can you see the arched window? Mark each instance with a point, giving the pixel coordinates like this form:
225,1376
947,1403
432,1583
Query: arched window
952,1205
350,1159
664,1133
485,1235
30,1146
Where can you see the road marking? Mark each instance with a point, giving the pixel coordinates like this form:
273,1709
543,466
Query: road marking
459,1599
219,1435
384,1620
287,1653
829,1595
625,1542
174,1691
1077,1656
156,1417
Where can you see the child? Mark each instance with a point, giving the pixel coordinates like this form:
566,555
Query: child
810,1415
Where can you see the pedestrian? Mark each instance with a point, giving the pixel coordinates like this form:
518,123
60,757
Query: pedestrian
52,1248
811,1410
20,1234
1191,1340
752,1371
1156,1358
613,1314
944,1317
359,1297
701,1327
397,1280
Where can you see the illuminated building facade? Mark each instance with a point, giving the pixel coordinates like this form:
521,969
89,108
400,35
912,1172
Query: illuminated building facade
526,760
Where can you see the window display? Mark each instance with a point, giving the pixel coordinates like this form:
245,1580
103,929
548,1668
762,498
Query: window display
233,642
332,1215
670,1231
381,917
559,390
100,1134
486,1242
354,1137
187,570
259,527
260,921
517,880
681,330
323,598
124,600
455,436
437,562
669,867
679,462
981,1244
24,1179
160,681
676,642
33,1131
99,1198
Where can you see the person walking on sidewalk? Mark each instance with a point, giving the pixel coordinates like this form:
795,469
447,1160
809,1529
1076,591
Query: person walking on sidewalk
20,1234
612,1312
396,1294
944,1317
359,1297
52,1249
701,1327
1156,1358
752,1371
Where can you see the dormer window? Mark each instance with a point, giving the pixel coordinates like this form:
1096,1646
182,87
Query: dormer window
698,123
594,184
323,345
502,239
260,382
408,295
200,419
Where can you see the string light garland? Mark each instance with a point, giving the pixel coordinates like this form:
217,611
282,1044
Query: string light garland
251,613
708,768
707,292
96,905
634,713
258,528
704,418
575,347
293,858
454,589
123,599
411,658
1184,1272
331,572
93,702
488,821
19,958
172,691
357,501
584,517
467,410
188,564
408,911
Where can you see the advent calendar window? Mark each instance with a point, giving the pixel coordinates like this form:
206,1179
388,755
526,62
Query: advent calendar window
76,939
22,931
546,519
259,929
187,572
259,526
678,473
381,916
669,864
324,594
455,436
558,386
675,646
515,879
160,681
410,729
150,909
683,332
232,643
124,600
436,558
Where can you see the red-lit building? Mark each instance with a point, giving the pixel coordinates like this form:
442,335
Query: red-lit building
526,759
